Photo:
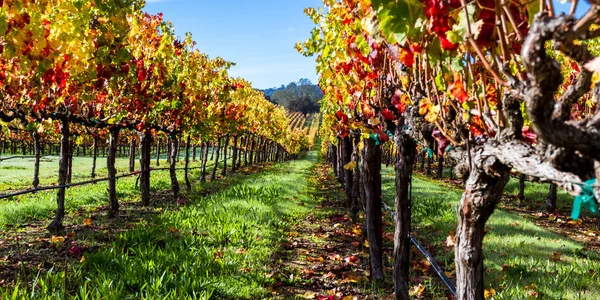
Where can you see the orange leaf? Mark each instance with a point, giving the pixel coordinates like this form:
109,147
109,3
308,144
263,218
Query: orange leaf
489,293
451,239
457,90
87,222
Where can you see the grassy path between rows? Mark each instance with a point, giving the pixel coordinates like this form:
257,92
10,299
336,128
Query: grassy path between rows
279,231
219,244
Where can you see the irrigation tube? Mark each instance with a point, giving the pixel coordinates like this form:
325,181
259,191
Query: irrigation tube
438,270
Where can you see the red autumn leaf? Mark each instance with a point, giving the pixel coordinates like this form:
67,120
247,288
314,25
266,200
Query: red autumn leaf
457,90
388,115
406,57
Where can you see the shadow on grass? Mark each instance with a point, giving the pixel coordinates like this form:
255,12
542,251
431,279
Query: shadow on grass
217,245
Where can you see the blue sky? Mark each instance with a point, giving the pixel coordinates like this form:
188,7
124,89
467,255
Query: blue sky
258,35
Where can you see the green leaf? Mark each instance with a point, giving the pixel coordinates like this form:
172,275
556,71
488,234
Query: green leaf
533,7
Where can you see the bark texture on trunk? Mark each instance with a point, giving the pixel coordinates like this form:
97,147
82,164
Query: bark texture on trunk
235,154
56,224
551,200
214,172
132,155
521,195
188,185
371,171
112,172
36,164
404,168
172,163
94,155
225,150
157,152
145,152
204,158
483,191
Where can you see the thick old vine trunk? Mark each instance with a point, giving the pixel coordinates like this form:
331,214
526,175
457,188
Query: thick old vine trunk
246,144
371,171
157,152
551,200
188,185
521,195
36,164
112,171
251,155
56,224
212,153
194,150
204,157
145,152
70,163
234,160
214,172
404,168
225,150
94,155
172,163
132,155
483,191
440,170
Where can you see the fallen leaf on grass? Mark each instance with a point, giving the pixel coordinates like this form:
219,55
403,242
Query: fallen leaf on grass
87,222
218,255
309,295
555,256
351,259
241,251
329,276
451,239
58,239
489,293
416,290
312,259
351,278
531,290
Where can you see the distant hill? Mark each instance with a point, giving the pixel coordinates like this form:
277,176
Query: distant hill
303,96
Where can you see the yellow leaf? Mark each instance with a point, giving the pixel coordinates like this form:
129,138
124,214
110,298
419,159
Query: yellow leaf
349,297
374,121
366,244
82,259
489,293
309,295
416,290
58,239
350,166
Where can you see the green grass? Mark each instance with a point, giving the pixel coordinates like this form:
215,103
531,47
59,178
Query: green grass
526,249
217,246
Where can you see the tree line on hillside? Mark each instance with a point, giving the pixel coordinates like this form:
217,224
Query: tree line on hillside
302,96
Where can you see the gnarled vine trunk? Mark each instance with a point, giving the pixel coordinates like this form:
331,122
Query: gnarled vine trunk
404,168
112,171
36,164
371,174
187,163
483,191
56,224
145,152
172,163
